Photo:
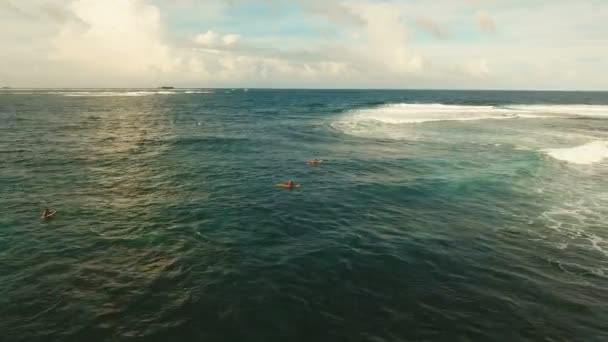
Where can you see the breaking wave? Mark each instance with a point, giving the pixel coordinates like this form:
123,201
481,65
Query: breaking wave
406,113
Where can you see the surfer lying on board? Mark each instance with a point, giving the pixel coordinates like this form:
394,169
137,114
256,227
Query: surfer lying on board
47,214
314,162
289,184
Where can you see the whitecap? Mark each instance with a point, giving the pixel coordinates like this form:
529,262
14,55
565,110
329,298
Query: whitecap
413,113
593,152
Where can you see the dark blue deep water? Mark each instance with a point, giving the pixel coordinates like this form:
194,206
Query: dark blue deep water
434,216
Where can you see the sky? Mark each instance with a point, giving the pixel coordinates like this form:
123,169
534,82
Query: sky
430,44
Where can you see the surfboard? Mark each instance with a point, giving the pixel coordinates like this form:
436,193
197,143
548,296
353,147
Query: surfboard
287,186
51,215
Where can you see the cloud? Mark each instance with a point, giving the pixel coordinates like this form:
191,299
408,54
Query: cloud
382,45
212,39
485,23
313,43
39,10
430,26
230,39
122,38
8,6
208,38
61,15
333,10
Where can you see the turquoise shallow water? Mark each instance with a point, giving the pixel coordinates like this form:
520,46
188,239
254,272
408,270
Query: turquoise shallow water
436,215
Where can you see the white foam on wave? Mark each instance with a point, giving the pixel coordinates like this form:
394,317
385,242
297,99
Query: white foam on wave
593,152
573,224
404,113
598,111
411,113
198,92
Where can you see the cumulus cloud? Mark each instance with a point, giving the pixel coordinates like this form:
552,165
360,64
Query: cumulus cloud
377,47
206,38
316,43
385,40
121,38
230,39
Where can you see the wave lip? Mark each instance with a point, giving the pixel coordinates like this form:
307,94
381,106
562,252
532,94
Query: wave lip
590,153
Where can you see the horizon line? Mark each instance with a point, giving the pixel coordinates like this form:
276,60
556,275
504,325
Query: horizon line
319,88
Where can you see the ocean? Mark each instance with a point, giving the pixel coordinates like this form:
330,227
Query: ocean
433,216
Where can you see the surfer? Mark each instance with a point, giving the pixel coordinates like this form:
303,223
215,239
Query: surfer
314,162
47,214
288,185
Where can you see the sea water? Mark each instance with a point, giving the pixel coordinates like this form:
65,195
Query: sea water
435,215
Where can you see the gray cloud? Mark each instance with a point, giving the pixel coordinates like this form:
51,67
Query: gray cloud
61,15
432,27
333,10
48,10
8,6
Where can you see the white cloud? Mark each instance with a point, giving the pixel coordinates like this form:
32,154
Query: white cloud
336,43
385,40
208,38
213,39
230,39
122,39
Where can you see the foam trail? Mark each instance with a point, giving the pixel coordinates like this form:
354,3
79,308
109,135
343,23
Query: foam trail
593,152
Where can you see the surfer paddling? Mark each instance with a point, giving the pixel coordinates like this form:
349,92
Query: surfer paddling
289,185
314,162
47,214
